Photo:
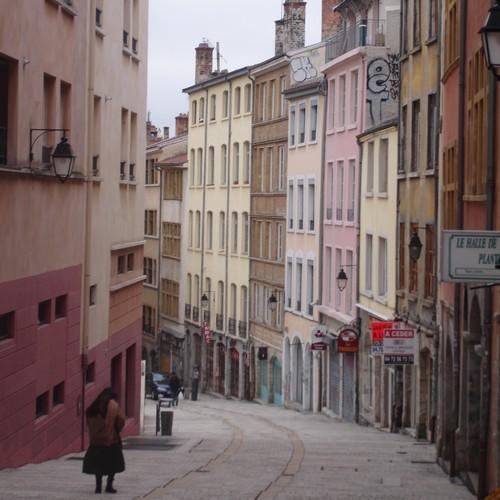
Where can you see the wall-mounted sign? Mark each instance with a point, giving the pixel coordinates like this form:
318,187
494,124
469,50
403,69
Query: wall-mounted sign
471,256
347,341
318,346
262,353
377,328
400,346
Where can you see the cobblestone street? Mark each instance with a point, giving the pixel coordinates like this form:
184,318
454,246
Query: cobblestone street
236,450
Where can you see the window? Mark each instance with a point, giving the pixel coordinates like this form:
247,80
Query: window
121,264
350,281
211,166
270,169
96,138
413,285
382,267
415,136
61,306
171,240
263,101
433,19
300,205
416,23
311,201
332,107
232,309
150,271
202,110
220,301
279,243
44,312
124,145
368,263
269,240
246,162
150,218
90,373
225,104
302,123
222,231
92,295
196,298
402,256
283,100
290,204
329,274
188,289
194,105
236,163
260,228
430,261
310,287
342,97
404,28
7,325
313,133
244,304
450,186
190,229
476,126
451,33
192,167
42,405
197,229
49,115
338,266
245,235
260,172
272,107
289,268
213,102
58,394
403,159
383,165
353,100
170,298
199,170
329,191
234,226
130,262
172,188
351,195
210,228
292,126
248,98
432,132
281,175
148,320
152,177
340,190
223,165
237,100
298,285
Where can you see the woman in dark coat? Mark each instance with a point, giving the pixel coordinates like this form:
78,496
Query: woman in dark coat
104,456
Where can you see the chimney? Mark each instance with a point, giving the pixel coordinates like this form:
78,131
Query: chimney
181,124
291,30
203,62
331,22
166,132
278,43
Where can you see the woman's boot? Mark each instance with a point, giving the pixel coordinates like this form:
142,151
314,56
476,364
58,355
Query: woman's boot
98,483
109,484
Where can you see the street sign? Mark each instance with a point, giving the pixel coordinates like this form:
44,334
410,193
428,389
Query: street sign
400,346
347,341
318,346
471,256
319,331
378,328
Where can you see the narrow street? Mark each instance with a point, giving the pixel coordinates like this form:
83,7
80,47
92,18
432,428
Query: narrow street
237,450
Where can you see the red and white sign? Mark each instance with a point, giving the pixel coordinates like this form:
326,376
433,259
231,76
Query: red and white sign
348,341
400,346
318,346
378,328
205,330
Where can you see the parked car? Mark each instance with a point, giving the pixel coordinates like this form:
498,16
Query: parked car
160,386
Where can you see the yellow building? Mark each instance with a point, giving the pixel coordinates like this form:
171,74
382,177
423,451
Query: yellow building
217,224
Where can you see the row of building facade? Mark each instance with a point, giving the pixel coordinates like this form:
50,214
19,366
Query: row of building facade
327,162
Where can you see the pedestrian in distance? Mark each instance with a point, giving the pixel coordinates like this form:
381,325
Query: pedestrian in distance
175,384
104,456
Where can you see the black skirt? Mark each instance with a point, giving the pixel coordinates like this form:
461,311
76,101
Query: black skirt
104,460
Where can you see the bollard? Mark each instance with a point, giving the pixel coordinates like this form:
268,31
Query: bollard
194,389
167,421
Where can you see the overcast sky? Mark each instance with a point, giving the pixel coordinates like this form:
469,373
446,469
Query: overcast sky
243,28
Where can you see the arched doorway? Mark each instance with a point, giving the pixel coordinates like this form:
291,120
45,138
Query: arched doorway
298,374
348,386
210,365
263,380
448,409
424,406
335,381
276,397
221,368
235,372
286,368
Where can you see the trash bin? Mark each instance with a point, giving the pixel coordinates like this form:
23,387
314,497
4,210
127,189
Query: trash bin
167,421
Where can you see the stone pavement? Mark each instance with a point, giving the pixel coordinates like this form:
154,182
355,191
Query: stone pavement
232,450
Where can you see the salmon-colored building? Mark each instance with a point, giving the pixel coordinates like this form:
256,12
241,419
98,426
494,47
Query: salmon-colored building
71,255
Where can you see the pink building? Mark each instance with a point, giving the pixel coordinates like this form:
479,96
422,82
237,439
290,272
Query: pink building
361,81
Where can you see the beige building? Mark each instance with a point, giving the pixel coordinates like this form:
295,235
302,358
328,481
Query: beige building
71,281
217,221
164,208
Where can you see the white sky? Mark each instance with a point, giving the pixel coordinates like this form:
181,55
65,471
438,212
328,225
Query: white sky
243,28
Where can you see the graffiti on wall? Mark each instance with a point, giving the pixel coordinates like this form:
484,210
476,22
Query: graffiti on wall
382,85
303,69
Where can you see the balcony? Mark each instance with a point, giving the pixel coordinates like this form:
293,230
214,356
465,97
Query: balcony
187,311
131,171
301,224
232,326
362,34
196,314
134,45
148,330
98,18
329,213
338,214
95,166
242,329
298,305
311,224
206,316
3,145
125,38
219,322
350,214
123,175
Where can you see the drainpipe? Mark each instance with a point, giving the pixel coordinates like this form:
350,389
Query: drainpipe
460,224
487,361
158,271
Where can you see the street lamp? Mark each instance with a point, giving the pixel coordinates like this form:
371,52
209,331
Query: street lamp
62,159
272,303
341,280
204,301
415,247
490,33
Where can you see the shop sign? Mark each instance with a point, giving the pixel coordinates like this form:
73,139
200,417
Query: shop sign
318,346
205,330
400,346
378,328
347,341
471,256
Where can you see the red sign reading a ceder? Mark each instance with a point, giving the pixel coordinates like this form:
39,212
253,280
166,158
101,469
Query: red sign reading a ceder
378,328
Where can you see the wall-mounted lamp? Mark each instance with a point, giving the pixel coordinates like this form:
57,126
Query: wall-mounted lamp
490,34
272,302
342,277
415,246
